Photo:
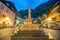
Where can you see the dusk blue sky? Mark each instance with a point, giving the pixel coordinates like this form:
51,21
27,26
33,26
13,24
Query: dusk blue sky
25,4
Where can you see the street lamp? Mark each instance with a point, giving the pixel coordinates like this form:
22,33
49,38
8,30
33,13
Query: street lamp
17,21
7,19
49,20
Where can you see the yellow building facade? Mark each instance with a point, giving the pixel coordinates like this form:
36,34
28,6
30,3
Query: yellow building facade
54,14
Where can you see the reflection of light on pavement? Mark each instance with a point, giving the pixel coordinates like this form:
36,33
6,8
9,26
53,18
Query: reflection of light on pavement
48,32
16,29
50,36
6,33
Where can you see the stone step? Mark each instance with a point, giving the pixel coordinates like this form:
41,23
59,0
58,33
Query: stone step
33,35
31,38
30,35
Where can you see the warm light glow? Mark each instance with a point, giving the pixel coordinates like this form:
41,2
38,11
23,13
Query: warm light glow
44,25
17,21
7,19
10,24
49,19
1,22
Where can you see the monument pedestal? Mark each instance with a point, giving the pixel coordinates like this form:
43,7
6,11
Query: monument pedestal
28,25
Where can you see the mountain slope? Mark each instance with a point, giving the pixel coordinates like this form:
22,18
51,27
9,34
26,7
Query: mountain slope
40,10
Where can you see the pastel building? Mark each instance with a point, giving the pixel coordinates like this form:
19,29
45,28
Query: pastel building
7,16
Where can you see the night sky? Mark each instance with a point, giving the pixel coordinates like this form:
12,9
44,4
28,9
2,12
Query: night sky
25,4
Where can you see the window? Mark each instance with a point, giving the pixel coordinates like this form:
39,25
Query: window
54,19
58,10
3,15
7,10
2,7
